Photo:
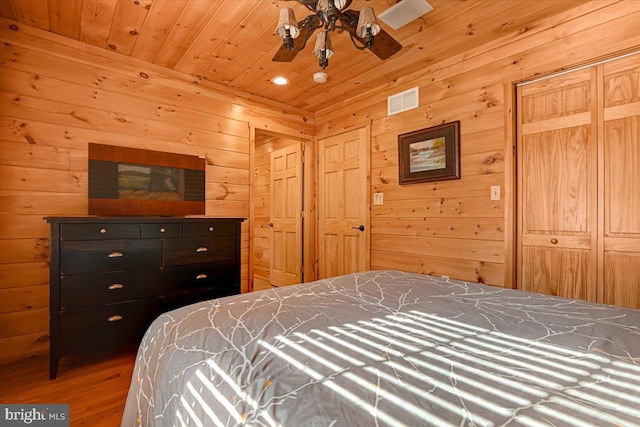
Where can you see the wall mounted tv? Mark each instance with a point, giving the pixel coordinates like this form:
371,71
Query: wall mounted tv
130,181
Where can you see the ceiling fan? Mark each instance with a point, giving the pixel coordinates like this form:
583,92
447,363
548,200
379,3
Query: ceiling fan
328,15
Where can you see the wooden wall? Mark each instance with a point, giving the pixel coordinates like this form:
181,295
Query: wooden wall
56,96
452,228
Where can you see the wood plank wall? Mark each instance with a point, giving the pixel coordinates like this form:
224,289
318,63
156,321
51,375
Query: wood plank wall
57,95
452,228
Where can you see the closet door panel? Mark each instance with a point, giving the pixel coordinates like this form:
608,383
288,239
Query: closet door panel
556,271
556,186
622,278
622,177
621,158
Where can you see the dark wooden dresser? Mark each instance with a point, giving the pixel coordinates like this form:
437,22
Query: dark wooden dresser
112,276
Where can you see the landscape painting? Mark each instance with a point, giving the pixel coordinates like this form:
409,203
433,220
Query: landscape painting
427,155
431,154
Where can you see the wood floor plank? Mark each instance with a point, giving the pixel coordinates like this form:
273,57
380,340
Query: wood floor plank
94,385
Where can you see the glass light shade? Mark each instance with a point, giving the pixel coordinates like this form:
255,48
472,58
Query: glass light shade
339,3
367,20
322,5
323,42
286,22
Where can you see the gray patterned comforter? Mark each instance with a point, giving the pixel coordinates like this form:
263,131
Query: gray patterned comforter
387,348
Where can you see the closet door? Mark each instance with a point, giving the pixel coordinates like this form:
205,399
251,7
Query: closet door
557,185
620,156
286,216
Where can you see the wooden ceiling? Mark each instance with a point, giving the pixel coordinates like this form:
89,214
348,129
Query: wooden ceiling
232,42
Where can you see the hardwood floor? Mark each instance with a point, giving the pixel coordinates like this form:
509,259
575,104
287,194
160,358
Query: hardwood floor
94,385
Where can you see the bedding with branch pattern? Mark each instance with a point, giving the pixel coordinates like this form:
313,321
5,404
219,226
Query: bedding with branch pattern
389,348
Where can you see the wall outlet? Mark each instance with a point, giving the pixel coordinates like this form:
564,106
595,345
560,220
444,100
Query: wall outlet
378,198
495,192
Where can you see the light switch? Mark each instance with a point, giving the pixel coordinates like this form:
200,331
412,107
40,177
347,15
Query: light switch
495,192
378,198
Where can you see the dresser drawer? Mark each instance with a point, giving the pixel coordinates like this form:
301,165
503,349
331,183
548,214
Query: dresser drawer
113,255
114,323
191,297
208,228
194,250
193,283
84,290
222,274
99,231
158,230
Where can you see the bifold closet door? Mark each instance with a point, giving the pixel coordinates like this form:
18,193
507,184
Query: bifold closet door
557,185
620,169
579,184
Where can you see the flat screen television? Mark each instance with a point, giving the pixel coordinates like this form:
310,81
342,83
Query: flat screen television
131,181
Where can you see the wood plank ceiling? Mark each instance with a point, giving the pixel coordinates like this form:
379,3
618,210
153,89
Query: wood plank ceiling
232,42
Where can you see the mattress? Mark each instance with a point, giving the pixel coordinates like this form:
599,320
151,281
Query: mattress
389,348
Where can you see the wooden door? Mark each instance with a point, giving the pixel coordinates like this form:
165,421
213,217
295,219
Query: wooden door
620,167
579,184
343,207
557,186
286,216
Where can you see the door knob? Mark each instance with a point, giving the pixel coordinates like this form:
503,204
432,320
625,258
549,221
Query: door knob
271,224
361,228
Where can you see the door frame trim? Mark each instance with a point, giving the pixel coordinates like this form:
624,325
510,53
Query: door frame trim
308,197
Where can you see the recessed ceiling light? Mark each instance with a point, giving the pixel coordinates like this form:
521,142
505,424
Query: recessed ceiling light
280,81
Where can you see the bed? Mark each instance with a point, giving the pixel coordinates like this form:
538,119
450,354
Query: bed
389,348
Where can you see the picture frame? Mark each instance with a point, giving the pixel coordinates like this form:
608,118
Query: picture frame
431,154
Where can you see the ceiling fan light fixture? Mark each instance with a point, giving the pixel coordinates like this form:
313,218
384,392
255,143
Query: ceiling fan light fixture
366,22
329,15
328,12
287,28
323,49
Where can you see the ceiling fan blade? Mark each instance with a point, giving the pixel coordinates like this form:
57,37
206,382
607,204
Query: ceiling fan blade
307,27
384,46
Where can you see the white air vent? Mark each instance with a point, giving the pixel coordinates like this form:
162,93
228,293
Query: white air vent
403,12
403,101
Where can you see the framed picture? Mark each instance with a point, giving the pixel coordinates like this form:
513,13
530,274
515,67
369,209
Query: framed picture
431,154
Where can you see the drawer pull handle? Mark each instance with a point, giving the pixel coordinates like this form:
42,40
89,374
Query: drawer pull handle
115,255
202,249
103,231
554,241
163,230
201,276
116,286
114,318
210,228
